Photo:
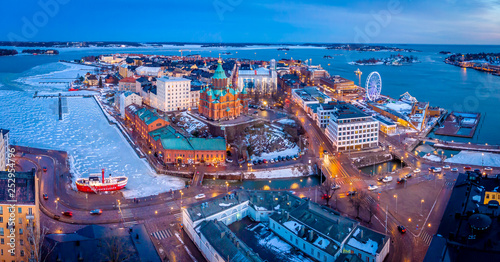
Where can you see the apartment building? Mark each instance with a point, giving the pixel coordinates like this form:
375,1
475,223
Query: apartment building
172,93
23,224
350,128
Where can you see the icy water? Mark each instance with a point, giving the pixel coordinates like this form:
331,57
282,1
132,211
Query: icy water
431,80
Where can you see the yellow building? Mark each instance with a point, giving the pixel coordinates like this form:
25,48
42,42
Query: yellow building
19,225
491,196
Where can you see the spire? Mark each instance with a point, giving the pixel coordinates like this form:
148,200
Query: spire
219,72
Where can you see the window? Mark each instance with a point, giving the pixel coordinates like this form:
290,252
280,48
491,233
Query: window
1,210
21,242
1,231
20,231
2,241
22,253
20,221
1,219
19,210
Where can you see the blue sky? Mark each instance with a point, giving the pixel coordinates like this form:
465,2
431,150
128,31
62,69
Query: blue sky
320,21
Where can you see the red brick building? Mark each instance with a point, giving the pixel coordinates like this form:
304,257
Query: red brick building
220,100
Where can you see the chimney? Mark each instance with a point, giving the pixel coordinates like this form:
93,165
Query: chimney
287,215
237,244
311,234
103,175
302,231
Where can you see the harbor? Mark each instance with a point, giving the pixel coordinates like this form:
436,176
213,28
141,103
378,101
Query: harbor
459,124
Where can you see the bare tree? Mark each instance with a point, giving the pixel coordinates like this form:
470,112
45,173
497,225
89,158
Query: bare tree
326,190
38,249
357,201
116,249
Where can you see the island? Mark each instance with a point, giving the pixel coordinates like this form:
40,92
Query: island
394,60
40,51
7,52
486,62
368,48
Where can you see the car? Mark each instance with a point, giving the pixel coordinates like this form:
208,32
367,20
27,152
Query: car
292,192
467,168
276,160
477,170
408,175
401,229
272,161
199,196
294,158
250,163
44,169
287,158
431,168
454,169
387,179
325,152
437,170
45,196
488,168
56,217
264,161
351,193
254,162
372,187
417,170
255,112
67,213
446,167
229,160
96,212
380,179
401,180
335,186
259,162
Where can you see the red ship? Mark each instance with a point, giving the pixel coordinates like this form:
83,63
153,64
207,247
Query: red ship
92,184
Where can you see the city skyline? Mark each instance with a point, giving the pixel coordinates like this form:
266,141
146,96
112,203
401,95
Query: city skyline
219,21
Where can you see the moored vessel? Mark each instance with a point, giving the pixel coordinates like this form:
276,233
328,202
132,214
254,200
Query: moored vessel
94,184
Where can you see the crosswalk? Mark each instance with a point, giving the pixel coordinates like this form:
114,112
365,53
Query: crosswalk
126,213
426,238
162,234
450,183
346,180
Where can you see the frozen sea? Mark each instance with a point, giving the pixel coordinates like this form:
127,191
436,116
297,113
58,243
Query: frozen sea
84,131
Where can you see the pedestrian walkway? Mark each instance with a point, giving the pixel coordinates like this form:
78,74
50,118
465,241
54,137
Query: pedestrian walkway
127,213
346,180
162,234
450,183
178,216
426,237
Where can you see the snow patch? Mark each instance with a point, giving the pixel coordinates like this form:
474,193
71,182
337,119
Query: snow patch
475,158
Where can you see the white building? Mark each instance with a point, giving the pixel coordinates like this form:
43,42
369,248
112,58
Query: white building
4,149
149,71
324,112
194,97
350,128
309,95
319,232
172,93
261,79
128,98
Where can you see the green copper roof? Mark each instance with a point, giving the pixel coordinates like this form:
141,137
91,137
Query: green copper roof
172,140
219,72
146,115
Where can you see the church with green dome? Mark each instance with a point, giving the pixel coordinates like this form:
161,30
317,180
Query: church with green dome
221,100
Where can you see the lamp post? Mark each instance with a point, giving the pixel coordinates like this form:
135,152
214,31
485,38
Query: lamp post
181,197
421,207
56,201
396,197
482,162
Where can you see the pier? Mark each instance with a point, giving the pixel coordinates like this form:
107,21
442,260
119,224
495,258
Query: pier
459,124
468,146
36,95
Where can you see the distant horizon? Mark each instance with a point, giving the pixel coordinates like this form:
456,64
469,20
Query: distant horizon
228,43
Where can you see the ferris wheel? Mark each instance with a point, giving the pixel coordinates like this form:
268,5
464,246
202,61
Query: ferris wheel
373,86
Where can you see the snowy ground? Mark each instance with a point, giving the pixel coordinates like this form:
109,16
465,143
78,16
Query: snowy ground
475,158
189,123
277,173
65,73
433,158
287,121
287,152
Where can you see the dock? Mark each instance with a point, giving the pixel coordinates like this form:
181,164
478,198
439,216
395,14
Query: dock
459,124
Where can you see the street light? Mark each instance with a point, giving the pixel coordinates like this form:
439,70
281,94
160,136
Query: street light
421,207
56,201
396,197
181,197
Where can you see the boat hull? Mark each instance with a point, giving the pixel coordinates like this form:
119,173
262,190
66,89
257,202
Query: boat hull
93,189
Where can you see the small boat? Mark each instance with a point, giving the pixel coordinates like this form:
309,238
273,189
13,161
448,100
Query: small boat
93,184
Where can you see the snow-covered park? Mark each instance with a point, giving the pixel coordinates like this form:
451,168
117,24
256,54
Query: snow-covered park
475,158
